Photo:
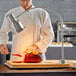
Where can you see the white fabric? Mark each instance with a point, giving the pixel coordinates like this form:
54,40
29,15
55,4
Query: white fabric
37,22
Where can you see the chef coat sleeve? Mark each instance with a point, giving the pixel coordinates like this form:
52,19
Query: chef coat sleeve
46,32
4,31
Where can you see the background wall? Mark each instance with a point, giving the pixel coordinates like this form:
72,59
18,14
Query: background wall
66,8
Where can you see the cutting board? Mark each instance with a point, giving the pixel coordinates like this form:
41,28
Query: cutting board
44,64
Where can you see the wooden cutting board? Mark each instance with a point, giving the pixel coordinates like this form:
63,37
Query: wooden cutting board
44,64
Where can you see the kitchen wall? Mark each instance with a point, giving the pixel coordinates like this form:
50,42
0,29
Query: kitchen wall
66,8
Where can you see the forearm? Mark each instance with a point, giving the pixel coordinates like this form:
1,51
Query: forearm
3,38
43,43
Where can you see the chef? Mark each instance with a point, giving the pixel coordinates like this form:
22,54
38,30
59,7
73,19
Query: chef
37,34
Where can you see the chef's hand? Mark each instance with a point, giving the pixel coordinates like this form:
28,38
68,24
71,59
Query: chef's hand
3,49
35,47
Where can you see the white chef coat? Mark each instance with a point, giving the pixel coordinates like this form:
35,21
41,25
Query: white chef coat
38,30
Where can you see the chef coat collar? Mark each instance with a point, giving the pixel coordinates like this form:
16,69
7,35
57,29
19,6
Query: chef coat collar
27,9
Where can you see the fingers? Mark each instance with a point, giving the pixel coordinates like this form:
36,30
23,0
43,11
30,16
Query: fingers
2,52
3,49
5,52
32,47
